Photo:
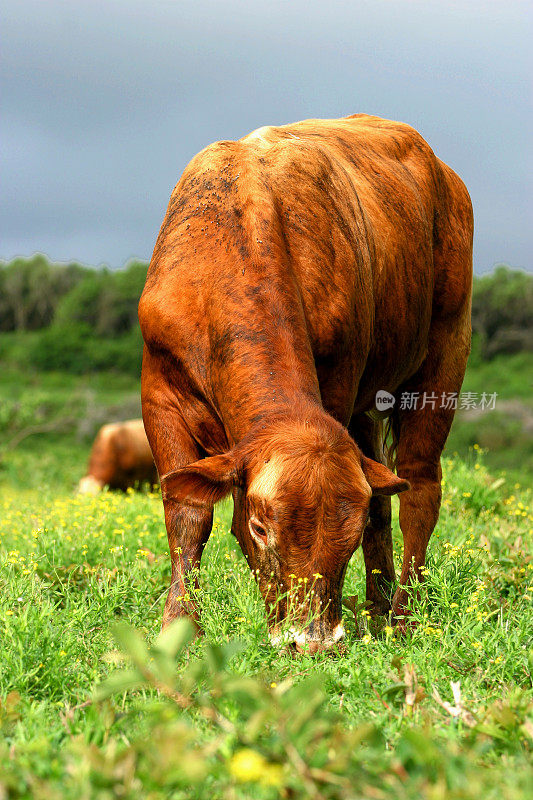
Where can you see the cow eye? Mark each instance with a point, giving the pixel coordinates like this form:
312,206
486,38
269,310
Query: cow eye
257,530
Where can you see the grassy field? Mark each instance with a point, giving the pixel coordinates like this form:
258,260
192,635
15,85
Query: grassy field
507,432
445,712
228,716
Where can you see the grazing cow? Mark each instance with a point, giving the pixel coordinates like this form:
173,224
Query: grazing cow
299,271
120,458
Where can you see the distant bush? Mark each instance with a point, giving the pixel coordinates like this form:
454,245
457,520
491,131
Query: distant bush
86,318
502,312
74,348
34,294
30,290
62,347
106,301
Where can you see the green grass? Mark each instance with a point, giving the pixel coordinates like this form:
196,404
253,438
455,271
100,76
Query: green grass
500,432
72,567
366,723
508,375
76,406
108,386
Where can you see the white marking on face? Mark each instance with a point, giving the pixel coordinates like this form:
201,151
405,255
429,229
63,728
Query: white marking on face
90,485
265,482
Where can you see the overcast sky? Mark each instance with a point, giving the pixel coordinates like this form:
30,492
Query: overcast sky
104,103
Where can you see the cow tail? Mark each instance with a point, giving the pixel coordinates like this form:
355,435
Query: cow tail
391,435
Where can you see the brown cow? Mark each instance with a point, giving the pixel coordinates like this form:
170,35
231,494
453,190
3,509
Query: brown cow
120,458
298,271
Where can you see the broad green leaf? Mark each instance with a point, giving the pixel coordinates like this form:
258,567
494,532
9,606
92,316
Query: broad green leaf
119,681
131,643
175,637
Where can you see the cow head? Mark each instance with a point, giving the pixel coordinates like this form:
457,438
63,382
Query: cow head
302,494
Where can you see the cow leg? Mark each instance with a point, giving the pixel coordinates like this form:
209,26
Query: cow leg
377,538
422,434
188,527
418,462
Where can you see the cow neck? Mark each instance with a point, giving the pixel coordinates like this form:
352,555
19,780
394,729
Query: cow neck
263,365
262,360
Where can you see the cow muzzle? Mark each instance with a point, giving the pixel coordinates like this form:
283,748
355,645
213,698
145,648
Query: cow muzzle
308,641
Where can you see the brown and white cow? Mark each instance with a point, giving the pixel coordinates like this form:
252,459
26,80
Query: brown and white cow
297,272
120,458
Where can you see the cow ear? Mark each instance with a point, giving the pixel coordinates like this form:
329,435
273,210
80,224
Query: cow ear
381,479
204,482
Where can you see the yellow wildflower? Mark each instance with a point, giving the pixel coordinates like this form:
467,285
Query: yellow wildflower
247,765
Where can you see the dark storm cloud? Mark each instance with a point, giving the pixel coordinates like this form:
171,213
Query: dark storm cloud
104,104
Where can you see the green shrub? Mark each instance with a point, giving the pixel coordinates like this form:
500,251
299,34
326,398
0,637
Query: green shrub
30,290
502,311
106,301
74,348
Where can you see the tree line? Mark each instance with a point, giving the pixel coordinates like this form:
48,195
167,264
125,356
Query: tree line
36,293
70,317
80,318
